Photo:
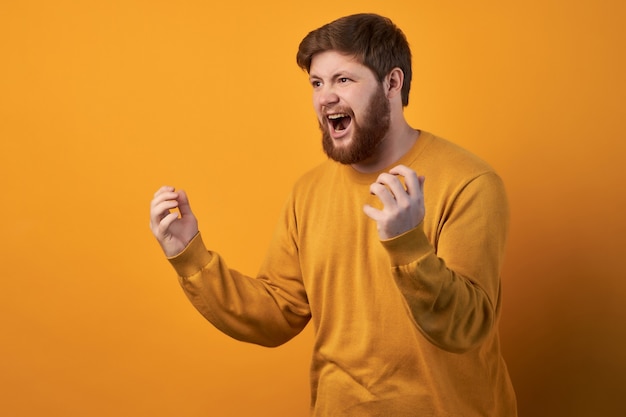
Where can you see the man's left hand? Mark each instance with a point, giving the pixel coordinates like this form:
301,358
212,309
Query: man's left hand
403,205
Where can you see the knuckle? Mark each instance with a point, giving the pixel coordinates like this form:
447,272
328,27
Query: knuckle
384,177
404,205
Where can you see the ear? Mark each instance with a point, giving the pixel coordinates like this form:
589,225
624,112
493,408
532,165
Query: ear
393,82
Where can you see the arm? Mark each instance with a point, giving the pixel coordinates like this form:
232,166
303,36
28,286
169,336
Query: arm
452,291
268,310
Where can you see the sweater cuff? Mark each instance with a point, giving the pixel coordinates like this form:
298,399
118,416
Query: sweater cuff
407,247
192,259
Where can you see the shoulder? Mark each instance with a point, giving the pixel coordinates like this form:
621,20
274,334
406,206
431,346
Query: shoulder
444,153
315,176
451,169
312,189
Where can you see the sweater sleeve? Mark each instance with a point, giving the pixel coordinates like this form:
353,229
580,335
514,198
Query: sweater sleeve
452,285
268,310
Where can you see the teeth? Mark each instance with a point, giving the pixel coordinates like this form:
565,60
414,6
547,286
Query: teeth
337,116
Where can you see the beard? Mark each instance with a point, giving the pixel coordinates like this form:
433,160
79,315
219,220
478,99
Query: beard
366,136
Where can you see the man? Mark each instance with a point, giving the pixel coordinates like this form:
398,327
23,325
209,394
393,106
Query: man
400,278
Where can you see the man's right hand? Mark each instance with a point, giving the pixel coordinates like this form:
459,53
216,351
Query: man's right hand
173,229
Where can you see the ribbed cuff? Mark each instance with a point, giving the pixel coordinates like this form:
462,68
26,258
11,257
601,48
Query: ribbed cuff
192,259
407,247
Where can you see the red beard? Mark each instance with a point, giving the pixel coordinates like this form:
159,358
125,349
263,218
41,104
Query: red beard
365,137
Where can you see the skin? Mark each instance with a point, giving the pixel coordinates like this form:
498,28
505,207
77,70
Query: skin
403,208
172,230
367,107
340,84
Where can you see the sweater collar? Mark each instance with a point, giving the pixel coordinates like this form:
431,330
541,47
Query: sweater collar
407,159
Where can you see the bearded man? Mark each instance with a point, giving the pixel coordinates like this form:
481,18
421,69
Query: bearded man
400,280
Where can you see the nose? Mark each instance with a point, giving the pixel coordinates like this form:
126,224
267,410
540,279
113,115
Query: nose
326,96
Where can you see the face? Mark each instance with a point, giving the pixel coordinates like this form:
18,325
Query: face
352,108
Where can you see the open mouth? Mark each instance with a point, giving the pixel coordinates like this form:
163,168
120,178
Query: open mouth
339,122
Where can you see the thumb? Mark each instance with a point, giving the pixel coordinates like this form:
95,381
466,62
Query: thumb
371,212
183,203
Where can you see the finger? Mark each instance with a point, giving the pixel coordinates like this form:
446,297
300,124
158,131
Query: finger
394,184
183,203
411,180
159,211
372,212
166,196
164,189
401,170
158,227
165,223
163,194
165,206
383,194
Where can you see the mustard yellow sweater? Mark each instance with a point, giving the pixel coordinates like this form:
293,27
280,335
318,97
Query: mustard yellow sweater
403,327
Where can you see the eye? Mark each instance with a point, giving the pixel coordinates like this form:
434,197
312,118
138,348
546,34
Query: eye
343,80
316,83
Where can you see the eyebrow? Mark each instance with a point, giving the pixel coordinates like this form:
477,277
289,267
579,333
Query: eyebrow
339,74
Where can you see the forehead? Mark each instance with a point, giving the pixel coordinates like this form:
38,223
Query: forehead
331,63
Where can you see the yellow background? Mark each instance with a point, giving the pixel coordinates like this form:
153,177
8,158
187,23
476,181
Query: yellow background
101,102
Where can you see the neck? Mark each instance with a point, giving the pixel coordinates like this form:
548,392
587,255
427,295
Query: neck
397,142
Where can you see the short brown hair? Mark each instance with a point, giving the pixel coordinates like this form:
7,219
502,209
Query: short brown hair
372,39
